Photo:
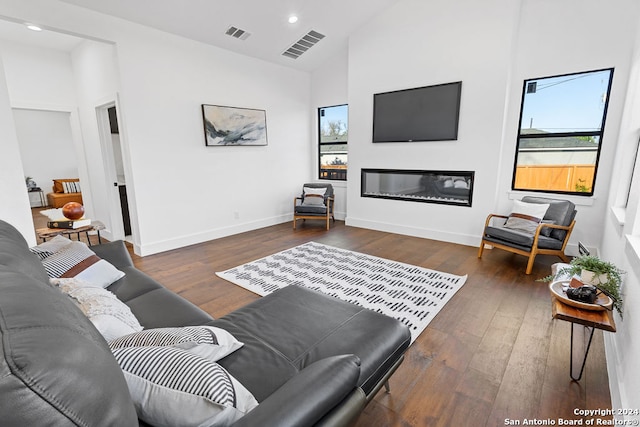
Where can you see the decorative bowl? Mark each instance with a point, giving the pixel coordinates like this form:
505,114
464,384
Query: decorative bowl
73,210
558,290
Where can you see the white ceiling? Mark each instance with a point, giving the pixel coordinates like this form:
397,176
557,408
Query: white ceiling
19,33
208,20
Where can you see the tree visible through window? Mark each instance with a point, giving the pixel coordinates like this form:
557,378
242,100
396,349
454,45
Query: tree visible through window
333,132
561,124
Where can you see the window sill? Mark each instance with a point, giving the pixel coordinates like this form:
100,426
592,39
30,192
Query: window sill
619,214
335,183
577,200
633,252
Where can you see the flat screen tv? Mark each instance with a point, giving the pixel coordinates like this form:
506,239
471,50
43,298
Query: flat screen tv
427,113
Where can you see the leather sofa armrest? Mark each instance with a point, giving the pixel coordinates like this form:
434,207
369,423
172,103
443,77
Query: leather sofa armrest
307,397
114,252
347,412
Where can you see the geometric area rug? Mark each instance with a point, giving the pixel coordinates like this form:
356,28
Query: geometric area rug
411,294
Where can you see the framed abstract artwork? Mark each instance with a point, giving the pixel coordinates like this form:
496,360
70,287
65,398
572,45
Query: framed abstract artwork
224,126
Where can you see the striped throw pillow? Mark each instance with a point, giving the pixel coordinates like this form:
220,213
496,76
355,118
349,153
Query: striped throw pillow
170,386
50,247
71,187
77,260
313,192
207,341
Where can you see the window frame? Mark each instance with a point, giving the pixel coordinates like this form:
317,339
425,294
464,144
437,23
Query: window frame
598,134
631,176
321,144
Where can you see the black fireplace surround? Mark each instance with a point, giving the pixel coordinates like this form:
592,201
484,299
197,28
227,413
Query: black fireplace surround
428,186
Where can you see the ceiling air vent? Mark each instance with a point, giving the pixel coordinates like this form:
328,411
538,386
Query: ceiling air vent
237,33
302,45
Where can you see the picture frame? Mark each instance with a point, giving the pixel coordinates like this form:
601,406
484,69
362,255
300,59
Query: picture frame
233,126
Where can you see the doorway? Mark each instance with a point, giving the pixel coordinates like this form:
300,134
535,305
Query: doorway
114,171
46,149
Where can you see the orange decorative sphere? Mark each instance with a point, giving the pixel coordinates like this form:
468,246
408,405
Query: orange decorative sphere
73,210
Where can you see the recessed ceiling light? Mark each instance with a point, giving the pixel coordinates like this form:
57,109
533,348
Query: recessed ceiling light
33,27
293,19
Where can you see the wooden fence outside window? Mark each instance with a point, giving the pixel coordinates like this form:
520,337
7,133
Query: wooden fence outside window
570,178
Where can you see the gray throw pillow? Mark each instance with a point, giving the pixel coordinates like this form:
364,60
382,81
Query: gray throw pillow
546,231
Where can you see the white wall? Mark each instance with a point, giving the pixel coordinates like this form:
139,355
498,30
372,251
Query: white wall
15,205
414,44
41,90
621,245
161,81
329,87
40,81
556,43
492,47
210,191
95,78
38,77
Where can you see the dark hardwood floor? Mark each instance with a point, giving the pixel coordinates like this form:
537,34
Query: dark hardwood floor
493,353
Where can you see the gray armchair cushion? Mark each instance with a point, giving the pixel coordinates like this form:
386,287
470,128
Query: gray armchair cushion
546,231
560,212
311,209
521,239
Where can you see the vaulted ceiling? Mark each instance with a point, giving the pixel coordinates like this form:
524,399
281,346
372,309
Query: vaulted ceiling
267,32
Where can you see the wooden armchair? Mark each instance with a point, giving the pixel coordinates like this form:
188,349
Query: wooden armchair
549,238
315,202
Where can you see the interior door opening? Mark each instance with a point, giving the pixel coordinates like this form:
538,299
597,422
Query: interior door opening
118,163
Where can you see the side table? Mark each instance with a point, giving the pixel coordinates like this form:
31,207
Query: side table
43,201
45,233
581,321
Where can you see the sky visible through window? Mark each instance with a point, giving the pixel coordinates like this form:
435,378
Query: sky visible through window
572,103
337,113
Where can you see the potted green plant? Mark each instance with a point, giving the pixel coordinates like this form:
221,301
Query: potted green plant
594,271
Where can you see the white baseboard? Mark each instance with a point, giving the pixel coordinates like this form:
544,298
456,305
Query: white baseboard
459,238
206,235
611,356
192,239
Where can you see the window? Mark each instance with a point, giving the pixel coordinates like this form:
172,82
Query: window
333,132
560,135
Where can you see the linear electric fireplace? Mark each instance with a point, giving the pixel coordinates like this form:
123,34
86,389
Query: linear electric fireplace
428,186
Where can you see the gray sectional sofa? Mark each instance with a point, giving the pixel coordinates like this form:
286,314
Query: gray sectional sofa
307,358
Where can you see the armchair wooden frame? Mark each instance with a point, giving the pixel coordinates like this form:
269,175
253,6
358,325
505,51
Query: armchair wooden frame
304,216
535,250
